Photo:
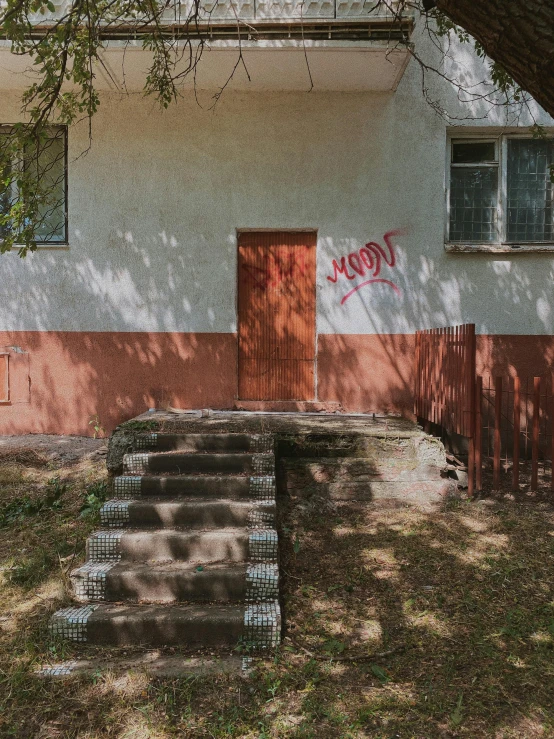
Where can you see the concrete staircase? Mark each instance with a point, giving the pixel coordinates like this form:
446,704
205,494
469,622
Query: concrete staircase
187,555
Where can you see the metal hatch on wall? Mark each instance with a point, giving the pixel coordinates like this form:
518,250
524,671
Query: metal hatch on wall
276,315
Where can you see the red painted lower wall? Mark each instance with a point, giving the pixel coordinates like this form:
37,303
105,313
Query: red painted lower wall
367,372
60,380
75,376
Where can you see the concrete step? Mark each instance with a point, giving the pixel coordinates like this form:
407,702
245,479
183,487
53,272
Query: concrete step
302,471
164,625
193,512
171,582
166,545
230,545
182,463
175,582
410,493
154,625
253,443
197,486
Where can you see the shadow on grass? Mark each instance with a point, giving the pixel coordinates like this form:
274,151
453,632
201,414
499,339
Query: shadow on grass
400,623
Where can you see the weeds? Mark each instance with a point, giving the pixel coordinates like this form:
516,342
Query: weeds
140,425
95,498
447,632
98,429
25,506
33,569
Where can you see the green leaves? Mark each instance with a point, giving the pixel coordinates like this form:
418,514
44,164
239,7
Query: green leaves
380,674
457,716
32,196
65,58
94,499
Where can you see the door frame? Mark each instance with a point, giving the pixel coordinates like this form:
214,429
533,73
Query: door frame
303,229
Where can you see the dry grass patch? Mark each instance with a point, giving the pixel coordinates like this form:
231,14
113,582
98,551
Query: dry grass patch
399,623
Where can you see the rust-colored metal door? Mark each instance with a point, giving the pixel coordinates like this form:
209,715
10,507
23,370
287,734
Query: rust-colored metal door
276,310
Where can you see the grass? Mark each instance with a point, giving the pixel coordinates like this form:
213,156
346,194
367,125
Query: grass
400,623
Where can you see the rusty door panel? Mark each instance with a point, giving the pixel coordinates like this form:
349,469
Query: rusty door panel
276,310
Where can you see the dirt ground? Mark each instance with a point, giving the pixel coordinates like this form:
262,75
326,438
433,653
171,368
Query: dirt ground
398,622
63,450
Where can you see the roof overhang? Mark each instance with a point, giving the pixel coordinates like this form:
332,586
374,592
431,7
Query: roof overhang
267,65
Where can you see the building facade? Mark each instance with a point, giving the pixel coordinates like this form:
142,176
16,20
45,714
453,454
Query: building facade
282,245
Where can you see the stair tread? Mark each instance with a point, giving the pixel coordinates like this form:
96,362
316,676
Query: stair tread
170,566
195,453
207,437
185,500
167,611
162,475
191,477
179,530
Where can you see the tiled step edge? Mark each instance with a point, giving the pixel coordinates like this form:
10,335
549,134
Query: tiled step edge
129,487
105,546
137,463
90,582
261,624
259,443
115,513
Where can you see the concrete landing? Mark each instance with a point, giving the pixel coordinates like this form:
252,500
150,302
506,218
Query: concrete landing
272,422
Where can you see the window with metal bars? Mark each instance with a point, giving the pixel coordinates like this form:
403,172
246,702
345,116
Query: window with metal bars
499,191
49,162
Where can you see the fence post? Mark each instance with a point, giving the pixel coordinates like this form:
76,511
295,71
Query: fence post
417,377
517,429
470,400
552,424
478,441
535,437
497,436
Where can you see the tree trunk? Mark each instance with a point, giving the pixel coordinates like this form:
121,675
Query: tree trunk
518,34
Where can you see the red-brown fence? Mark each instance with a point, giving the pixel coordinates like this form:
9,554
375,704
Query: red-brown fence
508,421
445,382
515,416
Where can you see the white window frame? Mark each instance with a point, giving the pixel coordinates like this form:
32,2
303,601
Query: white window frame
501,147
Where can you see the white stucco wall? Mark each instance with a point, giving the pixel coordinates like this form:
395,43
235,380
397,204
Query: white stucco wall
155,204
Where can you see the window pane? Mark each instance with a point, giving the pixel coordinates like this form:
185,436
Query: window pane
529,190
6,198
472,152
473,200
50,164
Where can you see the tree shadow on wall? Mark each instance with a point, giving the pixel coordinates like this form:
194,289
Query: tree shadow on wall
117,373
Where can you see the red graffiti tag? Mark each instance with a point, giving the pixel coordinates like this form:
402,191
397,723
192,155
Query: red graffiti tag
368,282
368,259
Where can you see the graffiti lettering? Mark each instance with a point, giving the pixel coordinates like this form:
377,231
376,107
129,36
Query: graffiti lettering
369,259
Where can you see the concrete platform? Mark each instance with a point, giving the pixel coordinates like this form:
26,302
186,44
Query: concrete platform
194,422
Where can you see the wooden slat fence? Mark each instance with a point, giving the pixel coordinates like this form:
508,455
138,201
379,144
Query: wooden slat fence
445,382
515,416
508,421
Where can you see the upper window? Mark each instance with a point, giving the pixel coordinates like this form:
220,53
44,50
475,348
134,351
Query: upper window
48,161
500,191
